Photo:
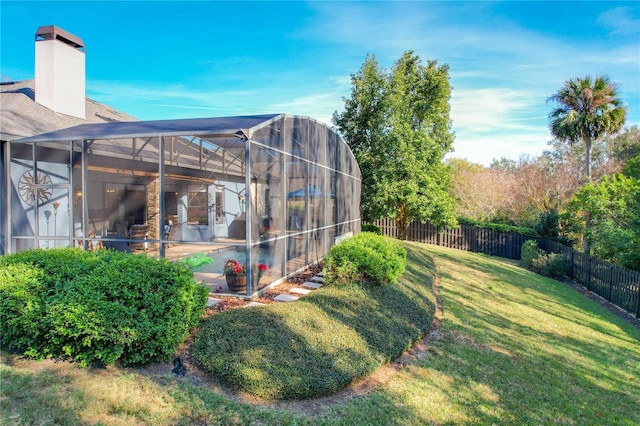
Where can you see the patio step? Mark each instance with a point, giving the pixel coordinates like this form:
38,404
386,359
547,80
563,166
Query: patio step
312,285
285,298
213,302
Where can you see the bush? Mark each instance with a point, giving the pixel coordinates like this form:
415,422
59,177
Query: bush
369,227
366,259
101,306
529,252
552,265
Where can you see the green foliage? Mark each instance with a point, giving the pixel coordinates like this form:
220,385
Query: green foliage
632,168
369,227
101,306
397,125
366,259
624,145
22,310
613,207
552,265
529,253
548,226
500,227
321,343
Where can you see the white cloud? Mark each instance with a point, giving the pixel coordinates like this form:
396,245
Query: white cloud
489,107
484,149
619,21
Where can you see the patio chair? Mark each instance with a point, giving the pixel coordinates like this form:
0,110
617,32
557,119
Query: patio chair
169,232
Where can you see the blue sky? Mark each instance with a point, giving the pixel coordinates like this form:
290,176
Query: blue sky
157,60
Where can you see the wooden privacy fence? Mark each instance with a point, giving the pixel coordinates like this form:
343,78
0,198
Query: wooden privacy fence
620,286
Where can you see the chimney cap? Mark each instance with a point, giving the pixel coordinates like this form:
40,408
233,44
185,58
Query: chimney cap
52,32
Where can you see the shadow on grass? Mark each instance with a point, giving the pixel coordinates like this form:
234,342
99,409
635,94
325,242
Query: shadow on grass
548,354
29,398
542,292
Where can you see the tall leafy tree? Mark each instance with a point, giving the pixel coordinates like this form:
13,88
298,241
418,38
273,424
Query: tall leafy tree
586,110
614,218
624,145
398,127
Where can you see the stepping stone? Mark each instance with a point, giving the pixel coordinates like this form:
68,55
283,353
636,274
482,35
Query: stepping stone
213,302
317,279
285,298
252,304
311,285
320,274
297,290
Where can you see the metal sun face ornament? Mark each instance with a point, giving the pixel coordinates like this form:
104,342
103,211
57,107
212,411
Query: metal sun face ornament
27,187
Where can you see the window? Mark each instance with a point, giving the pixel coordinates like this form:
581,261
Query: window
219,204
197,205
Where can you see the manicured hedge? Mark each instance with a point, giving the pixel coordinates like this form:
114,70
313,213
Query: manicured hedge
499,227
319,344
367,259
101,306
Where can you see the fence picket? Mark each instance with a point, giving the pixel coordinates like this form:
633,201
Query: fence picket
618,285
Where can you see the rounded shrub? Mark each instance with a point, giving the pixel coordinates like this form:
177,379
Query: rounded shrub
529,253
102,306
367,259
552,265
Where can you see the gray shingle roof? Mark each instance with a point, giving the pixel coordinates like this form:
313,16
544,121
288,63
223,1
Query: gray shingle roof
21,116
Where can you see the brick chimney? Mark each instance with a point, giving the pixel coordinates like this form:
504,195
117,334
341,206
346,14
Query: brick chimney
60,71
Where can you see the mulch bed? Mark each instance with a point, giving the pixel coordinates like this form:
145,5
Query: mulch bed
230,302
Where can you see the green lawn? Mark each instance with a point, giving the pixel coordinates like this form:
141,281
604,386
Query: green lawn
512,348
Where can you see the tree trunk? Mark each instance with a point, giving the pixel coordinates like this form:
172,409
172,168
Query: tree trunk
587,160
587,225
402,221
587,214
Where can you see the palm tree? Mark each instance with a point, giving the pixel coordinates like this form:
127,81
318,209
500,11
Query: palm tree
587,109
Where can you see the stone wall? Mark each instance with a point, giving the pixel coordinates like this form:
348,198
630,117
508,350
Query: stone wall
153,209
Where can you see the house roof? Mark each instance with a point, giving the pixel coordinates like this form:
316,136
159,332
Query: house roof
241,126
21,116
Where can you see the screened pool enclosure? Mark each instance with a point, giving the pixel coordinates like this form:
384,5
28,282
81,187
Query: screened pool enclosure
274,192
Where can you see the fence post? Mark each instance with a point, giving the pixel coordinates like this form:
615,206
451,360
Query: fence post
572,272
588,271
638,301
610,282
